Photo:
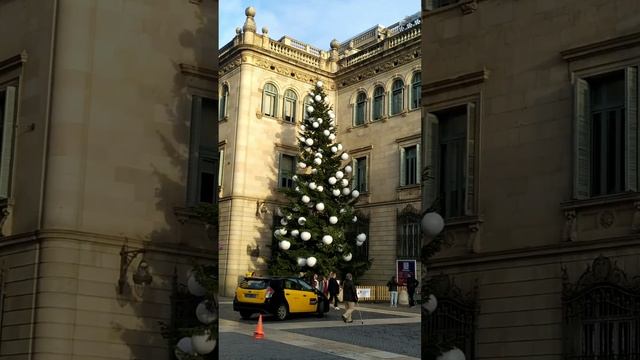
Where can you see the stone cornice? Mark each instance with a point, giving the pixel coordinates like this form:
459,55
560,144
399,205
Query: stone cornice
375,65
408,138
199,71
609,45
558,249
361,149
13,62
462,80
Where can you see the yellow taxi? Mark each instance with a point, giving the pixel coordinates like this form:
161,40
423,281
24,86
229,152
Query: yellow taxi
279,296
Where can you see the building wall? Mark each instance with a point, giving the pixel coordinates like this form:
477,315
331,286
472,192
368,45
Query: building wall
113,155
526,160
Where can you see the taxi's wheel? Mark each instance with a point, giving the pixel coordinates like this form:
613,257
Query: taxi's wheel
320,309
246,314
282,311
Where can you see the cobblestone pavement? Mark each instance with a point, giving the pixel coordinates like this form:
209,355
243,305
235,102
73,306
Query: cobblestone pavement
386,334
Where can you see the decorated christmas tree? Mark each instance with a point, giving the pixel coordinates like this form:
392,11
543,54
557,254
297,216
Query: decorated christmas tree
311,234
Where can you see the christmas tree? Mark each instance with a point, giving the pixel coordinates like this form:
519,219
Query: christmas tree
311,234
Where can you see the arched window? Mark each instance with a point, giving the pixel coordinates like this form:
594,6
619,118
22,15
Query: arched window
307,102
361,103
416,82
397,97
290,101
224,99
409,236
269,100
378,103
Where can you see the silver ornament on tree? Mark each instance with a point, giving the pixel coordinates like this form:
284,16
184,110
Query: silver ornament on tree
305,199
305,236
302,220
311,261
327,239
332,180
348,169
333,220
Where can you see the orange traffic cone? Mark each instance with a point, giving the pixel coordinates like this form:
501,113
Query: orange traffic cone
259,333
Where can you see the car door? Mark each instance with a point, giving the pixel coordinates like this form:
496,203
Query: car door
309,296
293,295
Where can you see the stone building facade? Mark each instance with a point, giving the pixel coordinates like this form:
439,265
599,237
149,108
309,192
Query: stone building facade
543,254
373,82
96,107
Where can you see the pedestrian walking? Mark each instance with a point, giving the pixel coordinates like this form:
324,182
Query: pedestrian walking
314,281
325,286
393,291
334,290
412,284
350,298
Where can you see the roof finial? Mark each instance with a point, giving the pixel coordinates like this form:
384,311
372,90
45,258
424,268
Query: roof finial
249,24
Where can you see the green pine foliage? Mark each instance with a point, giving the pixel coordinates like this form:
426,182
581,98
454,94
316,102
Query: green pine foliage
317,142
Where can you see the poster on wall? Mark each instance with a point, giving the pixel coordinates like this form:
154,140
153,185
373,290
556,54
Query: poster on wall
403,269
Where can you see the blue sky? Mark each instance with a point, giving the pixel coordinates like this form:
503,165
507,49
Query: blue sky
313,21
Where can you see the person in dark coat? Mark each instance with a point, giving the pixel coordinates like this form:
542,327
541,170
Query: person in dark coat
393,291
350,298
412,284
334,290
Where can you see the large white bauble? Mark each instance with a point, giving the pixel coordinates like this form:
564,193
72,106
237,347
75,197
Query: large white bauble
315,124
345,191
431,304
276,232
297,188
204,315
348,169
320,121
326,133
453,354
361,237
302,165
320,206
332,180
342,211
284,245
311,261
302,262
355,219
339,147
295,233
344,182
302,127
344,156
302,220
319,84
318,97
333,219
283,222
305,199
334,149
185,345
305,236
312,186
194,286
309,108
311,100
339,174
347,257
314,171
432,224
317,161
332,137
327,239
309,141
355,193
320,188
332,115
283,231
359,243
295,177
326,99
335,192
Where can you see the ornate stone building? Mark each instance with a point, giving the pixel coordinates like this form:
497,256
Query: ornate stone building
540,101
373,80
97,100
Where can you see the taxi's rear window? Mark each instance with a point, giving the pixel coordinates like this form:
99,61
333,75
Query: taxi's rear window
253,284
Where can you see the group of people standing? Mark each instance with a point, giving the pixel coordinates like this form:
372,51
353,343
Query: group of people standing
330,287
392,285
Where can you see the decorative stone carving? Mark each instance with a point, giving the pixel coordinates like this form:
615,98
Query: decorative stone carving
570,226
469,7
230,66
4,213
601,271
407,56
473,243
261,208
607,218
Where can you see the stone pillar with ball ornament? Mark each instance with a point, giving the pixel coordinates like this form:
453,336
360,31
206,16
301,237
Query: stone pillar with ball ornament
311,236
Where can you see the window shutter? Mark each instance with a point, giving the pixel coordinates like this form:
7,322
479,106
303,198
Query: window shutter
193,175
469,168
389,104
403,180
366,178
418,164
354,165
7,140
582,140
220,167
265,102
279,171
430,158
631,123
